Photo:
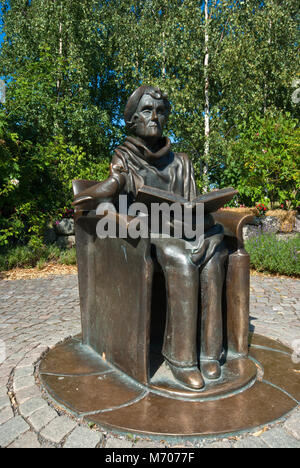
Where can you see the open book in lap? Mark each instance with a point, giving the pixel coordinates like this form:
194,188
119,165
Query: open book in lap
212,200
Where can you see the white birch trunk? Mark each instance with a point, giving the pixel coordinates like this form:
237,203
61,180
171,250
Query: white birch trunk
266,84
58,84
206,106
164,71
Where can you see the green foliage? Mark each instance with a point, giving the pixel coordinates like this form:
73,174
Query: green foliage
30,256
276,256
36,183
55,61
68,257
263,161
252,62
70,67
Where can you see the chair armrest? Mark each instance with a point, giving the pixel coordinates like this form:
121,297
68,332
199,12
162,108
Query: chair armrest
89,220
233,224
80,185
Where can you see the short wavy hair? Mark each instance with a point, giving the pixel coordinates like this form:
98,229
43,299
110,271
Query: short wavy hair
135,98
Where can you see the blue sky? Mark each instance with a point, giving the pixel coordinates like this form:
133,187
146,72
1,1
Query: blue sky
1,35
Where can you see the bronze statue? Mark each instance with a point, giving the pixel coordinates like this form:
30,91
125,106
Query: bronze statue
164,349
146,158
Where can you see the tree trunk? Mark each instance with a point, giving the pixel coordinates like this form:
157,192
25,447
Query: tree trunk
266,78
206,106
58,84
164,71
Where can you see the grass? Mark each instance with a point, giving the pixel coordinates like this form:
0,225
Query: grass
28,257
269,254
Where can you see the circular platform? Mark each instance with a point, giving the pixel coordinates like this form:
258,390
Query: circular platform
252,392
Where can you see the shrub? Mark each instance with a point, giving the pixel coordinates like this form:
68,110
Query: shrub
36,183
68,257
269,254
263,162
29,256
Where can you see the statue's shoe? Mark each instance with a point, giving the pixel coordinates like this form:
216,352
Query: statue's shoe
211,369
188,376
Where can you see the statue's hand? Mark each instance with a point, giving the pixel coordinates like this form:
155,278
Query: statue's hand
104,190
116,170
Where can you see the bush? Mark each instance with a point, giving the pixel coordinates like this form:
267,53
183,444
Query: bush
30,256
263,161
36,183
68,257
269,254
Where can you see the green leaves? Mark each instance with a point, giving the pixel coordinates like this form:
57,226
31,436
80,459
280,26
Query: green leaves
267,253
70,67
263,162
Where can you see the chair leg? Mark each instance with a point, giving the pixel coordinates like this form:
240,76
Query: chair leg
237,300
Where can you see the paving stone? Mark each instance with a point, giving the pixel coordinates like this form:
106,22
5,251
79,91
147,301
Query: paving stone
27,440
114,442
3,382
6,414
12,429
57,429
4,401
279,438
275,312
292,425
83,437
5,369
42,417
3,391
23,382
219,444
23,371
250,442
32,405
26,393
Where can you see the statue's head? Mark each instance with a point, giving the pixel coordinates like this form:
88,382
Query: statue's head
146,112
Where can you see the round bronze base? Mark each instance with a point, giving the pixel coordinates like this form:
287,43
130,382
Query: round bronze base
251,392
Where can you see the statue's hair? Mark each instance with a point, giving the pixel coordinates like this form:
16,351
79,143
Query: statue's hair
135,98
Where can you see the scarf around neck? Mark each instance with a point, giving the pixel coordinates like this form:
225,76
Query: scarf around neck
162,169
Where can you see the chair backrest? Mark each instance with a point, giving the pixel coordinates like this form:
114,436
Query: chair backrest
82,184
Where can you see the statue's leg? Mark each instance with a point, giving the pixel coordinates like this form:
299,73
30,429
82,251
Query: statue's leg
211,338
180,339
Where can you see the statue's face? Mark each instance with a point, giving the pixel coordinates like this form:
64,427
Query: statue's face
150,118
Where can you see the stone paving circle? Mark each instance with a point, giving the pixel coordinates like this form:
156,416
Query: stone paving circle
37,314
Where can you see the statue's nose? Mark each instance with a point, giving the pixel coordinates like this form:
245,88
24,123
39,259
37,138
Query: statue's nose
154,115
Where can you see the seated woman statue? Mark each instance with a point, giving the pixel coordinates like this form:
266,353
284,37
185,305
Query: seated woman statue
146,158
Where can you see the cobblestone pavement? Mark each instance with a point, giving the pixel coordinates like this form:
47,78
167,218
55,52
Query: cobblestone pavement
36,314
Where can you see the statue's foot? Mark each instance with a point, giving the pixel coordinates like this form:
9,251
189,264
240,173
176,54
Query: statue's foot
211,369
188,376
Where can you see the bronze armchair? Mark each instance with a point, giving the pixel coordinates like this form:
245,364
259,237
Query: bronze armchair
123,313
